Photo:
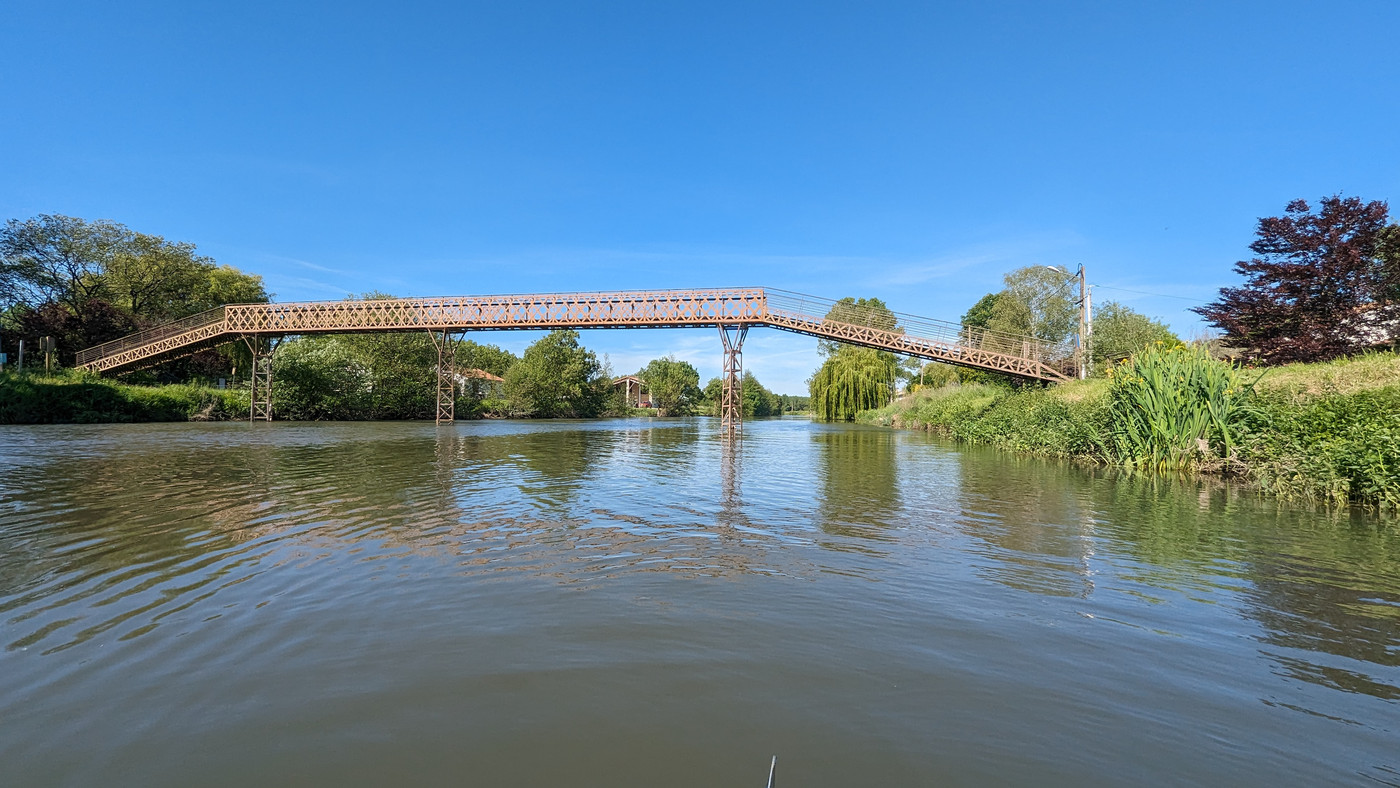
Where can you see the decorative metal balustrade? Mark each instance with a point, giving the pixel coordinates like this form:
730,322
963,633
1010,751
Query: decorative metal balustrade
738,307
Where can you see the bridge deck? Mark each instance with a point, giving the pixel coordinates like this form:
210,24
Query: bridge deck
934,340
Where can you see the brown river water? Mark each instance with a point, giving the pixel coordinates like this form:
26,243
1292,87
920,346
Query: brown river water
641,603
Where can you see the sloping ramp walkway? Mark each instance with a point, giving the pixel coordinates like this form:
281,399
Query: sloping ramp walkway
739,308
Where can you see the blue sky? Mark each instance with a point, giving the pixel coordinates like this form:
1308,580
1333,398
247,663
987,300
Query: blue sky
909,151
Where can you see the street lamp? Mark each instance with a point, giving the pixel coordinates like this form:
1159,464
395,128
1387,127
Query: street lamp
1082,359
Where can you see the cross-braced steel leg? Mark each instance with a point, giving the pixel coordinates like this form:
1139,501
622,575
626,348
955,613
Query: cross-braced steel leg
732,398
446,345
260,390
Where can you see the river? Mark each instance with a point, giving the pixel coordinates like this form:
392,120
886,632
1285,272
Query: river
639,602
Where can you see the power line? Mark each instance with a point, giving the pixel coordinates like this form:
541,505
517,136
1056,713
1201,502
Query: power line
1145,292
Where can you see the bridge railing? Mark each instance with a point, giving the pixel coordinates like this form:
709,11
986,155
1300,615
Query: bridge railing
155,334
816,310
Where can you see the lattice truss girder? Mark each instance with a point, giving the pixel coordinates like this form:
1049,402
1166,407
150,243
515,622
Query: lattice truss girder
446,344
732,393
632,309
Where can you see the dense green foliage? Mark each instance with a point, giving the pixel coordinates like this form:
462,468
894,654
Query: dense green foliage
1172,407
674,386
851,380
758,400
1037,302
1328,432
559,378
86,282
791,403
1120,332
378,377
72,397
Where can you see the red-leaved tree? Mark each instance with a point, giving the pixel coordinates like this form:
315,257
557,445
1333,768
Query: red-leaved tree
1321,286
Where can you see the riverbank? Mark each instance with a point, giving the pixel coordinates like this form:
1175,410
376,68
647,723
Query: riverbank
1327,433
77,398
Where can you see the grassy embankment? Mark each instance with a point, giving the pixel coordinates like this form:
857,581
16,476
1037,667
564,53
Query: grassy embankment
1314,432
77,397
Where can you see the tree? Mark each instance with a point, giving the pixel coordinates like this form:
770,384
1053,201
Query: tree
488,358
99,322
154,279
1322,285
873,373
757,399
56,259
320,377
558,377
1037,302
85,282
790,403
674,385
850,381
224,284
1119,332
935,374
981,312
860,312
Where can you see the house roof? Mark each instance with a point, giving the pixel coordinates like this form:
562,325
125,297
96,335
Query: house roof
480,374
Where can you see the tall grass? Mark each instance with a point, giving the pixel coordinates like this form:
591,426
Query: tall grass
1327,433
79,398
1172,408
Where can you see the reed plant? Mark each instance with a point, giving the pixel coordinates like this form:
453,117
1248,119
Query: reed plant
1173,407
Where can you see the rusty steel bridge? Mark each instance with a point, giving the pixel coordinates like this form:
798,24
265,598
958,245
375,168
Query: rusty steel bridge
732,311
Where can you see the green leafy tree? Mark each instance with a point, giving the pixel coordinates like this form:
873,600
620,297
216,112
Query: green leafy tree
320,378
1037,302
85,282
1119,332
758,400
154,279
55,259
488,358
875,373
852,380
224,284
860,312
792,404
558,378
674,385
402,368
980,315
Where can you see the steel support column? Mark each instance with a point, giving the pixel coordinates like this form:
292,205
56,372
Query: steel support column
732,398
446,344
260,387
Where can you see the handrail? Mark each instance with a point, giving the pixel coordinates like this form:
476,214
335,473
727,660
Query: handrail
944,332
824,318
153,334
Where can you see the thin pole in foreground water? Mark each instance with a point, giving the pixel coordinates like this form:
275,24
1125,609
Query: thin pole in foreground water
772,767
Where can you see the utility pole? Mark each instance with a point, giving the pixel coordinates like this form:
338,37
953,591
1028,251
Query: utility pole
1086,324
1082,359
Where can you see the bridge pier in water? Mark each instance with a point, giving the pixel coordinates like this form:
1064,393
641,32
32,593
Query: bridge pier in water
446,344
732,397
260,387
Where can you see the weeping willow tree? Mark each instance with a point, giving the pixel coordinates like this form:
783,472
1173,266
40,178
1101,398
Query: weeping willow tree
852,379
